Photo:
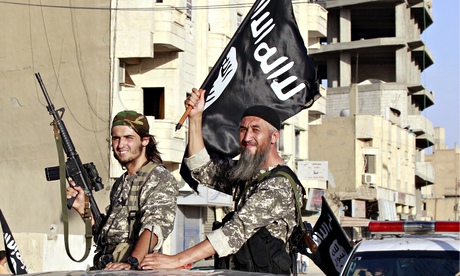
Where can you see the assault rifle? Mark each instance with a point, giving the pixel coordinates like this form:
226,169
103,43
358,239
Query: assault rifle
301,239
84,175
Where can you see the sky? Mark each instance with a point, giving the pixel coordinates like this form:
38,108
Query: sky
443,77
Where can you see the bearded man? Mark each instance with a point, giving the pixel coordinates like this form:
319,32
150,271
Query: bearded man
256,235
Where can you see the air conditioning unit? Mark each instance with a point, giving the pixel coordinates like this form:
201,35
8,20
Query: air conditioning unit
368,178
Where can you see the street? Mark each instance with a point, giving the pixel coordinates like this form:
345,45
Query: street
312,269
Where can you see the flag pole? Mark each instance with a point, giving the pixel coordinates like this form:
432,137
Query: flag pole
187,111
219,61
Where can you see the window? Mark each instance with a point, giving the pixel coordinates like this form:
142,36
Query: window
154,102
369,163
407,262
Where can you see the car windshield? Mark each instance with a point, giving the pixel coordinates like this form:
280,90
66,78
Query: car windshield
399,263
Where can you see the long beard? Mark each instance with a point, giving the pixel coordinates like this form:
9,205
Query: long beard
248,165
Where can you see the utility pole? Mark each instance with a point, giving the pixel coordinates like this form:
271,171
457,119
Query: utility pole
457,199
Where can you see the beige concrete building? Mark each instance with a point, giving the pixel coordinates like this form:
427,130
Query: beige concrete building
371,161
442,200
95,60
67,43
377,45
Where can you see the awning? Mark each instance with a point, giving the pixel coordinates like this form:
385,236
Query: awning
354,222
205,197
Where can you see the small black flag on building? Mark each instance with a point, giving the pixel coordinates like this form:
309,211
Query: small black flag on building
333,244
15,261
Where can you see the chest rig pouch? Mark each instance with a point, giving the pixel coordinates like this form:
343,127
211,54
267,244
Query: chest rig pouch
262,252
120,252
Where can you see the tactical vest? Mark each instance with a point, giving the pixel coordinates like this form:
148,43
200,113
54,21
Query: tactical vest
120,252
262,252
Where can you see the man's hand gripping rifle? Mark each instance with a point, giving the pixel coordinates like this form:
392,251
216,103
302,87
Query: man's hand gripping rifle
84,175
301,239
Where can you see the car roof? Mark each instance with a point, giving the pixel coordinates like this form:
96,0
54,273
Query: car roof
146,272
411,242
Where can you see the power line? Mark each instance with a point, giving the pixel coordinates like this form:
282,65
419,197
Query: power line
160,8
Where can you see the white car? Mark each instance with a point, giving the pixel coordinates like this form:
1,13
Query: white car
407,248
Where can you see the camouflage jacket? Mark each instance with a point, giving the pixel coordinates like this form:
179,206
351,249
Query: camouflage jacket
157,206
269,203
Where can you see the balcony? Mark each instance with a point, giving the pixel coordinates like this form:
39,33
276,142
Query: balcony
319,106
140,34
205,197
169,29
452,191
134,30
317,21
330,4
365,127
424,174
373,45
423,130
420,96
421,54
421,11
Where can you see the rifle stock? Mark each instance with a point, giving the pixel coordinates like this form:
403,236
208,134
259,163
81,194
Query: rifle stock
84,175
301,239
311,244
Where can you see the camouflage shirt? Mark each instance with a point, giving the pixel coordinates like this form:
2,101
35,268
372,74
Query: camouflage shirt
157,206
269,203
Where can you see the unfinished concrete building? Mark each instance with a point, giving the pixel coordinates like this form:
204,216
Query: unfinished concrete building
371,64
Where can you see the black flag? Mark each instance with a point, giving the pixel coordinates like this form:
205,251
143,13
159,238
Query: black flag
15,262
333,243
265,63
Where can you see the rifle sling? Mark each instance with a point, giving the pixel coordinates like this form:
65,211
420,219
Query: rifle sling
87,213
277,171
296,195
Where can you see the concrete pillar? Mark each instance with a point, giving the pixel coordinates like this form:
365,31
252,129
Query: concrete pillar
345,69
345,25
400,20
332,28
401,65
402,57
345,36
418,203
332,73
353,98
